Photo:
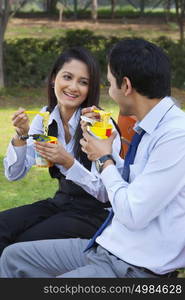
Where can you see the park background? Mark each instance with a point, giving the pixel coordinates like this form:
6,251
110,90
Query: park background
33,33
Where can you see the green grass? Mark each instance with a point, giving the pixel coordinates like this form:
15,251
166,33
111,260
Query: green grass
43,31
35,31
37,184
45,27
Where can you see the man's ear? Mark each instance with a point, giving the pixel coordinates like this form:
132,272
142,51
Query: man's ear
126,86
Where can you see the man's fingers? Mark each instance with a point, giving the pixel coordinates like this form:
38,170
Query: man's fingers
83,125
113,135
87,136
91,117
83,144
88,109
84,150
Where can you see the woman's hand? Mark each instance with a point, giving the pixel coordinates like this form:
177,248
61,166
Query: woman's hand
95,148
20,121
55,153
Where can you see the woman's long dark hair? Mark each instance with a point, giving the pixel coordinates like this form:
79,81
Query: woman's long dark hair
81,54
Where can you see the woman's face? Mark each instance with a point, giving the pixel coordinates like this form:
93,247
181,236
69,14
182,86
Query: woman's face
72,84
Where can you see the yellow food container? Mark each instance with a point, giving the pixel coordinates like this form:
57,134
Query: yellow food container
102,129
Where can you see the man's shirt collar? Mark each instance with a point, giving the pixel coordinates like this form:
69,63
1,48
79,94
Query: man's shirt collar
152,119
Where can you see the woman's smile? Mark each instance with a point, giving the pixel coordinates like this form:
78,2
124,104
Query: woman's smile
70,95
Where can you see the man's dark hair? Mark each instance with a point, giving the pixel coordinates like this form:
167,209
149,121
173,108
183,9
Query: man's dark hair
144,63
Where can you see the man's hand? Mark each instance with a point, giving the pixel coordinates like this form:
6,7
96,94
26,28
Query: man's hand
95,148
55,153
89,113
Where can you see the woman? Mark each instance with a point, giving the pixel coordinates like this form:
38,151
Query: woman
73,212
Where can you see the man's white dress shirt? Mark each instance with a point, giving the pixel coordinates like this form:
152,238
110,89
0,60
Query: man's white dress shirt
147,229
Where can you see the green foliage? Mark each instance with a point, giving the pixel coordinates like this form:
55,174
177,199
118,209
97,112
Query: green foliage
28,60
104,12
81,37
176,52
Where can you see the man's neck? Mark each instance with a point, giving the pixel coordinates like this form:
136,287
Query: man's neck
143,105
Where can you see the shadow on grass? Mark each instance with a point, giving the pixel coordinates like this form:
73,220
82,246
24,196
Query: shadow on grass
36,185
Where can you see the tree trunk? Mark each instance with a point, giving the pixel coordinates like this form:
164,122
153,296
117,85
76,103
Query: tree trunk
50,5
156,4
167,7
75,3
142,7
2,83
181,29
113,7
180,13
4,15
132,3
94,10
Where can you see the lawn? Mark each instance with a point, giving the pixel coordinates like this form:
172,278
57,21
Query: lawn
44,28
37,184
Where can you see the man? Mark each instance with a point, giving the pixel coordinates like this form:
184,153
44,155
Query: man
143,237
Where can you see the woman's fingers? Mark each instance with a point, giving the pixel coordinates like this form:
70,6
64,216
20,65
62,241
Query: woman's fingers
21,121
47,148
18,113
